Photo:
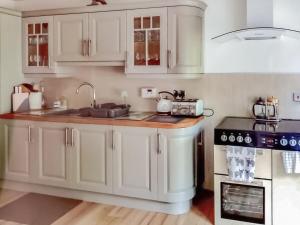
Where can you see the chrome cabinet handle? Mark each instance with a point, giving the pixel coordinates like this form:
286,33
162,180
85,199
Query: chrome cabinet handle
113,140
72,138
29,134
196,161
83,47
89,47
169,53
66,137
126,58
49,62
158,145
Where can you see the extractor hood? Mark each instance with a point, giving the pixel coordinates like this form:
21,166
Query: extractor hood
260,24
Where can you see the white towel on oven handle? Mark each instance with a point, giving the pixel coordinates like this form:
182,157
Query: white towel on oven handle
241,163
291,162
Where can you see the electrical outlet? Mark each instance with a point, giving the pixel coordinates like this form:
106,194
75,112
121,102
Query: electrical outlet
149,92
296,96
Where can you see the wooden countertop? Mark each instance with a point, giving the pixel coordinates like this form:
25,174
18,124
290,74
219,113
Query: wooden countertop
185,123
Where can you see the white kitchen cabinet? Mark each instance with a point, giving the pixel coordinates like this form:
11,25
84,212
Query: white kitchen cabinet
147,41
185,40
17,150
107,35
92,157
176,164
38,45
10,56
53,154
135,162
90,37
71,37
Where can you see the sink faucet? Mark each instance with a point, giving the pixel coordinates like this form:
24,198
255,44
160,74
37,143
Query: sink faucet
94,104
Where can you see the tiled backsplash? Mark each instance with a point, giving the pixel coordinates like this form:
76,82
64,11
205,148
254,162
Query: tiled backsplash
228,95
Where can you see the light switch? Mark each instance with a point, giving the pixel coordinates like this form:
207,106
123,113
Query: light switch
296,96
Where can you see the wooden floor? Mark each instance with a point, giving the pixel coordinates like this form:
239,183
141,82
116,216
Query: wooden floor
99,214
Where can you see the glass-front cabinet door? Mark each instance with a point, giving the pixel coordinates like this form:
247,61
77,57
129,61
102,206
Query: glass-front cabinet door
37,38
147,41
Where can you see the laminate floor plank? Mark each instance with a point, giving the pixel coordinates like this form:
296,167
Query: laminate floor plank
88,213
8,196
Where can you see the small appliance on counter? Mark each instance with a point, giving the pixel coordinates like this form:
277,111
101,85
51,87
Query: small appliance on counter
164,105
187,107
266,110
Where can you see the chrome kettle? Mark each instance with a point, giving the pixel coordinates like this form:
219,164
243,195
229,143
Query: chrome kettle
164,104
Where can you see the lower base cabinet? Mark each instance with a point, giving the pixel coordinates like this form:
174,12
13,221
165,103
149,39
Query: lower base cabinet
17,154
176,165
135,162
53,155
92,158
145,163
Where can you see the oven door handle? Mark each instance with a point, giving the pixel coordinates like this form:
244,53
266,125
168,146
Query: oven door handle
258,151
252,184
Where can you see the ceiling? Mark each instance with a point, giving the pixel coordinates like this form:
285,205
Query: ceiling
27,5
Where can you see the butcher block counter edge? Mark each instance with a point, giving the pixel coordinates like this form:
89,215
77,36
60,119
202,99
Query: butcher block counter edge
185,123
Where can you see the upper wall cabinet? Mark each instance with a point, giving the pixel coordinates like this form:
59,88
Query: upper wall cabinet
165,41
71,37
154,39
38,45
185,40
107,35
147,41
93,37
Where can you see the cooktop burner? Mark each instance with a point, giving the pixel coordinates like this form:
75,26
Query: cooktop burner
249,132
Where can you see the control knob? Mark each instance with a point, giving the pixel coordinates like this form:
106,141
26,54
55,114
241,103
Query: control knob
284,142
239,139
224,138
293,142
248,140
232,138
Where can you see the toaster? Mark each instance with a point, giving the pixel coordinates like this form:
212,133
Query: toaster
187,107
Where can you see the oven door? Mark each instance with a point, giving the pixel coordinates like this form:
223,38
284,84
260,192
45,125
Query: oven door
241,203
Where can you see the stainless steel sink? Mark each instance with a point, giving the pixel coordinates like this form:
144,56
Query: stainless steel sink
106,111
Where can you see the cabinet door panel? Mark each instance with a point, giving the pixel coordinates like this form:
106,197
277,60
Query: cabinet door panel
38,45
53,155
93,158
185,40
176,166
17,152
108,36
69,33
147,41
135,162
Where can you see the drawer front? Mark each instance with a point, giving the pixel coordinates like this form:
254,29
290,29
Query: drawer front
263,165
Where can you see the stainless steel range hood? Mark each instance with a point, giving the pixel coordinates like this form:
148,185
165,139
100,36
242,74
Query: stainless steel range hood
260,24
